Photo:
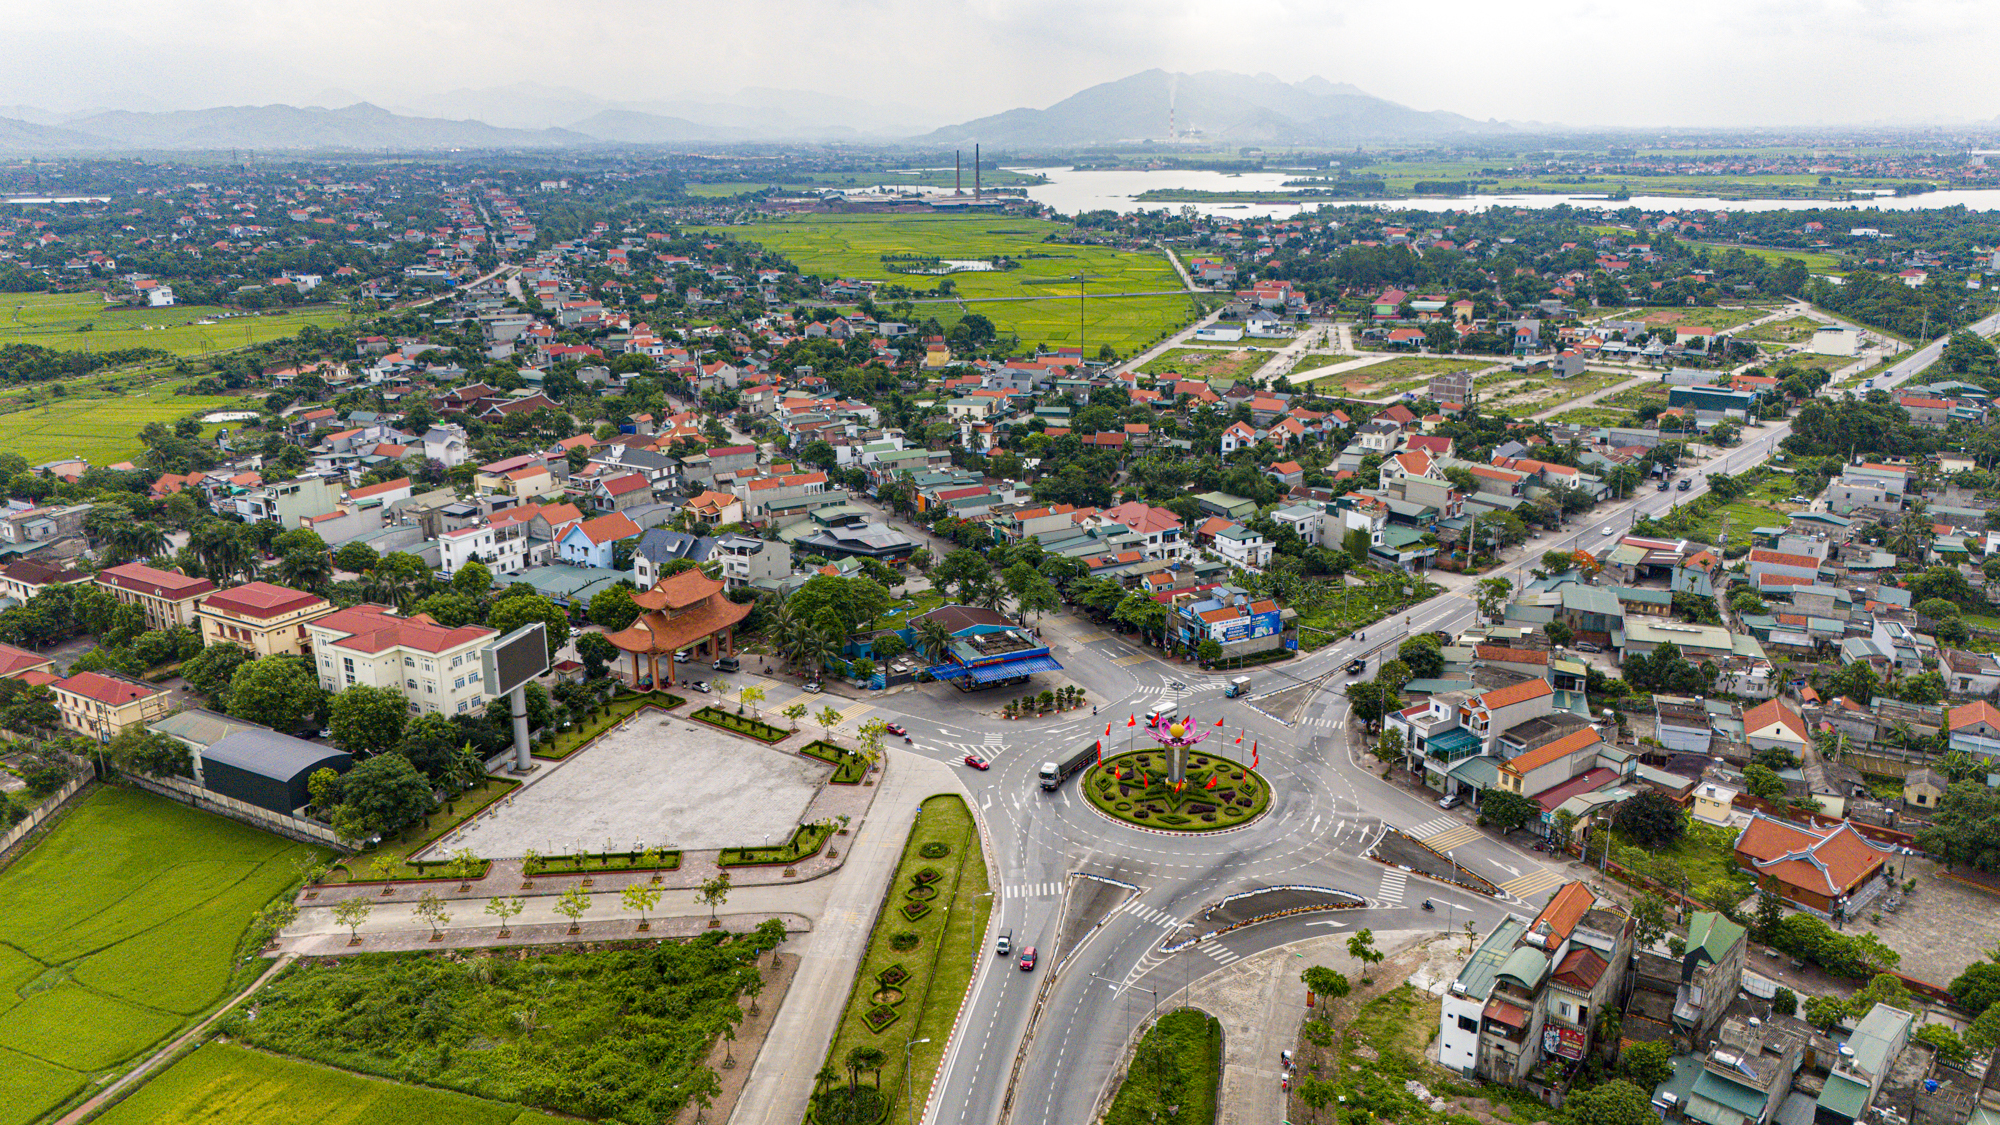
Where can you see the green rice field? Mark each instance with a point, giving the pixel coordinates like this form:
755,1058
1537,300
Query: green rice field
222,1082
832,246
116,931
96,424
79,321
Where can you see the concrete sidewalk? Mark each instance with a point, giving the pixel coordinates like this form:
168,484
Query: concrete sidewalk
782,1079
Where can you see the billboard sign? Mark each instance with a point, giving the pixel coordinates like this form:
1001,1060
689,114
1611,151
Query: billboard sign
516,658
1248,628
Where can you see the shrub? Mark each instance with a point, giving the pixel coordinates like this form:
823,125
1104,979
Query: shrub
892,976
904,941
926,875
877,1019
934,850
859,1105
915,910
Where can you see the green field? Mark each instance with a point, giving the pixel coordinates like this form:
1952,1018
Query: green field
76,321
1207,363
1796,330
1177,1063
1535,394
951,941
1817,261
96,424
1392,377
1594,416
116,931
832,246
1315,361
222,1082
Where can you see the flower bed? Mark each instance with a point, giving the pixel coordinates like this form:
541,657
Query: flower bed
849,768
805,843
598,863
740,724
1132,788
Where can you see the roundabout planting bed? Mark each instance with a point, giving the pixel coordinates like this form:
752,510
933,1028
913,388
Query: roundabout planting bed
1132,788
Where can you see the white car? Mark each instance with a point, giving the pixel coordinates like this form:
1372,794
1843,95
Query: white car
1606,531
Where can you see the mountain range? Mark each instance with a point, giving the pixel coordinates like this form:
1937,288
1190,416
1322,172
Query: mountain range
1210,106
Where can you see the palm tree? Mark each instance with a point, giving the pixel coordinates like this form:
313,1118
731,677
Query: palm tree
1912,536
816,650
306,570
989,595
932,639
783,630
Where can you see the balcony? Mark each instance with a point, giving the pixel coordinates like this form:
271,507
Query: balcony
1452,746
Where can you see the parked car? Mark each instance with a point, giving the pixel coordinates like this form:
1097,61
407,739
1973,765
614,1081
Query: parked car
680,658
1356,666
698,685
728,664
1028,959
1450,802
895,729
810,688
1589,646
977,762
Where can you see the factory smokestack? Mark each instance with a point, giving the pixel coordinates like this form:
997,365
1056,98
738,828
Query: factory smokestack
957,174
975,171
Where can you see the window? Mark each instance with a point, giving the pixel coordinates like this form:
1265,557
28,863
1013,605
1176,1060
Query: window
409,662
430,688
458,684
458,660
410,684
1467,1023
347,662
472,677
462,705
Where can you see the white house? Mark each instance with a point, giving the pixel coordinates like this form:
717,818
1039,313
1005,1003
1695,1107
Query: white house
435,668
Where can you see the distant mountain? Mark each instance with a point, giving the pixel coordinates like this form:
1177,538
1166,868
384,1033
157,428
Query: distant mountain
28,137
750,113
1218,105
630,127
360,126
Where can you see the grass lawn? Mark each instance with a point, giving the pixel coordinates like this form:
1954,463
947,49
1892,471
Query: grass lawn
71,321
92,422
1391,376
1817,261
1368,1053
1177,1063
118,929
951,939
222,1082
1315,361
1533,394
832,246
1821,362
614,1031
1764,504
1207,363
1645,394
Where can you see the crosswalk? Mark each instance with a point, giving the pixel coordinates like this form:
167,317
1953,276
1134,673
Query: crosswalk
1391,890
1135,658
1151,914
1220,954
1324,723
1533,884
1086,638
1444,833
1033,890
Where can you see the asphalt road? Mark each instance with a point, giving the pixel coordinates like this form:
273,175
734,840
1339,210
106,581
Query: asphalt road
1329,806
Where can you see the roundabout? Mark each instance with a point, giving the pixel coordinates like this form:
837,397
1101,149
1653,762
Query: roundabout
1215,794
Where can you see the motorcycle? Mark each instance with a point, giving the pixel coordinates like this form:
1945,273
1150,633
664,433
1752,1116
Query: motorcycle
1428,906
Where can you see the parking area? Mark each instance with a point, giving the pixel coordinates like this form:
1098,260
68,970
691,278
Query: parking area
659,781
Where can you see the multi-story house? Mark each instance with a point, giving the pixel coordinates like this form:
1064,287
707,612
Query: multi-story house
24,578
101,705
169,597
747,560
436,668
267,619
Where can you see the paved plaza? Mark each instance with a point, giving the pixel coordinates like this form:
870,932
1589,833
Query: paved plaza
659,780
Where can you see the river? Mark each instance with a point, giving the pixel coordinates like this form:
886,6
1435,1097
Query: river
1070,192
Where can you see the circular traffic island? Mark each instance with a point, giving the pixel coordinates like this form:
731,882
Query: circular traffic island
1219,794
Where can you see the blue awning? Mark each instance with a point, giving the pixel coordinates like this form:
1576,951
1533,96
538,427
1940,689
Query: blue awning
994,673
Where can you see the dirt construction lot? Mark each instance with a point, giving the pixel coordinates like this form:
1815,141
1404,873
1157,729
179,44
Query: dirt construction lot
659,781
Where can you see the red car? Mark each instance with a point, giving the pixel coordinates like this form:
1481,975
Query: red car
1028,959
977,762
896,729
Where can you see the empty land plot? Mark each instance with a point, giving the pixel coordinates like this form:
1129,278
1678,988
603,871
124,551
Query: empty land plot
222,1082
98,425
1718,319
1594,416
1392,376
661,781
129,915
71,321
1633,398
1208,363
855,246
1795,330
1544,392
1316,360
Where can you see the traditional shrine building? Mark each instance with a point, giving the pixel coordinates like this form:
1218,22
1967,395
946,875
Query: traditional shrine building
686,611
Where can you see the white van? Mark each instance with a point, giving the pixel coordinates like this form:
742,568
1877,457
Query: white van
1165,714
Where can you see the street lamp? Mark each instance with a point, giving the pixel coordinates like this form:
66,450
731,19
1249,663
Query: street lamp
1187,973
908,1046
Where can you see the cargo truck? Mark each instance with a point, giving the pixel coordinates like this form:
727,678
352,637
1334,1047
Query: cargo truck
1056,772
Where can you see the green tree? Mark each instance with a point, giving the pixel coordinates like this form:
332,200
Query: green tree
142,751
1617,1102
1652,820
597,653
1965,830
352,912
278,691
1208,651
474,579
430,908
1784,1002
714,892
1977,988
1764,783
1361,947
1423,657
355,558
613,608
505,909
368,720
1984,1034
380,795
1370,700
1325,983
573,905
1507,810
1389,747
1647,1065
640,897
1491,597
510,614
1951,1050
1649,921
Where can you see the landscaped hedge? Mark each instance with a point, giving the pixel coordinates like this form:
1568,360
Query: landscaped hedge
850,768
590,863
740,724
621,707
805,843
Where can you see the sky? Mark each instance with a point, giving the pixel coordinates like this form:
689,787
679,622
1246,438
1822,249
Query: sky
1637,63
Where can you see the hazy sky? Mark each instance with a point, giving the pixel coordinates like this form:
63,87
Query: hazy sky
1583,62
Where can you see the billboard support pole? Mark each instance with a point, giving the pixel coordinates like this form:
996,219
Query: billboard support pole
519,699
